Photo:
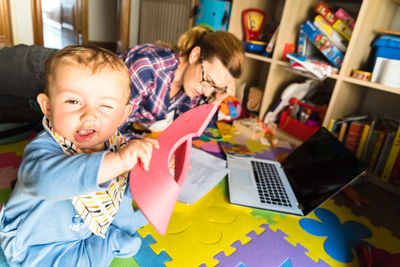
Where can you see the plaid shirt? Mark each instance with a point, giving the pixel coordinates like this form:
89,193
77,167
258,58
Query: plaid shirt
152,70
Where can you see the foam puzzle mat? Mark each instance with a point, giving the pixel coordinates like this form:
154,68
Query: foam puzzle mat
212,232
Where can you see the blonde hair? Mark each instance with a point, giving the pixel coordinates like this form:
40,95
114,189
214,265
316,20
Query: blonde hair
220,44
90,57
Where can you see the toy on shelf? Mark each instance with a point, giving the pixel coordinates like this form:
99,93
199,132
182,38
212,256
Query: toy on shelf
301,119
297,90
253,21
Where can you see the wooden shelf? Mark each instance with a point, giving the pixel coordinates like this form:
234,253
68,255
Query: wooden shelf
348,94
258,57
376,86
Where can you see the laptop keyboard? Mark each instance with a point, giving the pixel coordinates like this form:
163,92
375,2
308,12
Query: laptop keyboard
269,185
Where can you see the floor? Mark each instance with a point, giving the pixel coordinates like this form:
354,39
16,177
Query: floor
54,36
383,209
212,232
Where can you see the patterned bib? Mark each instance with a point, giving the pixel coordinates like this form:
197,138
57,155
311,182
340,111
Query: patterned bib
96,209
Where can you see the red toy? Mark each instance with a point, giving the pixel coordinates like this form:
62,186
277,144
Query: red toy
253,22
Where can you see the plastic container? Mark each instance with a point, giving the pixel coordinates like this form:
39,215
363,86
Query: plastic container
387,47
301,129
255,46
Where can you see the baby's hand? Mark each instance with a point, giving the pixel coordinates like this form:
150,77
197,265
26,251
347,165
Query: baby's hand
138,149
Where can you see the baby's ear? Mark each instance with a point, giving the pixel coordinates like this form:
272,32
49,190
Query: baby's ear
44,104
127,112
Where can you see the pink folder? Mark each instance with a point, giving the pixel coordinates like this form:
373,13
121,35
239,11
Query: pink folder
156,190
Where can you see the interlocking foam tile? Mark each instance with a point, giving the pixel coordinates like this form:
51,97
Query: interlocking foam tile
146,256
381,237
17,147
315,245
197,232
267,249
9,163
123,262
267,215
341,238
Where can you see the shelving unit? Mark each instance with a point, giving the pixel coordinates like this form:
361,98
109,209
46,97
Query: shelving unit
349,95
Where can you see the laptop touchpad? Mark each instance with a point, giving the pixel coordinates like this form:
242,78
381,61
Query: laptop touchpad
241,177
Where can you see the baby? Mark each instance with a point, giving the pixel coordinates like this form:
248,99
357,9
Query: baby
71,205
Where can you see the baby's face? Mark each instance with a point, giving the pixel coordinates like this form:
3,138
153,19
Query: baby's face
87,108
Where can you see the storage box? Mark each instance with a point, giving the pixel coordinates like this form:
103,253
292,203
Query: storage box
386,72
295,127
387,47
331,52
293,122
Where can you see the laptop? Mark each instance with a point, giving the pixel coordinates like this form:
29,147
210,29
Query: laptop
313,173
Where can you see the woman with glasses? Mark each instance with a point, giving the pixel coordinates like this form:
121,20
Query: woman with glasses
167,80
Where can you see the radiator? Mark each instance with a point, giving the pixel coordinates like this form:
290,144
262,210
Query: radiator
163,20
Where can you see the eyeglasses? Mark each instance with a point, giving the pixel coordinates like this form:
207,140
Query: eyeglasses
217,89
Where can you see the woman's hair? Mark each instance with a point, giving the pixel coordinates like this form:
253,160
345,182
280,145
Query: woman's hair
91,57
220,44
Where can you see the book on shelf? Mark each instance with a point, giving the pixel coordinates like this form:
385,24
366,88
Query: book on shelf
380,135
363,139
383,155
366,153
343,131
354,135
335,124
395,175
370,148
391,159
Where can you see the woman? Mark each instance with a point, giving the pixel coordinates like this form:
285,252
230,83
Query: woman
168,80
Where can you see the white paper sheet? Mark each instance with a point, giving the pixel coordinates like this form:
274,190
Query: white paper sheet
205,173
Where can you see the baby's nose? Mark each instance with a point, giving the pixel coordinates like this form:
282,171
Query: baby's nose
89,114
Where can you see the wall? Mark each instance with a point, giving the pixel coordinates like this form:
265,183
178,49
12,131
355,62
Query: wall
21,22
102,21
396,21
134,23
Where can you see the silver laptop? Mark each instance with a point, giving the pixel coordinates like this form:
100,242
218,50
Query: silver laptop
313,173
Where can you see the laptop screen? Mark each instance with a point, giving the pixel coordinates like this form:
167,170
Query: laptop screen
319,168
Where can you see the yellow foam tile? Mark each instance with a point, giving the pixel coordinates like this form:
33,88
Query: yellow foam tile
381,238
198,232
